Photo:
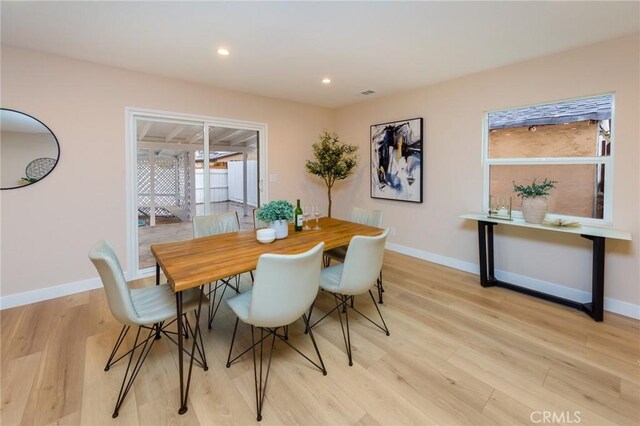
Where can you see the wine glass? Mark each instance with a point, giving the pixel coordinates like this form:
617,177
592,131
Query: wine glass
306,211
316,213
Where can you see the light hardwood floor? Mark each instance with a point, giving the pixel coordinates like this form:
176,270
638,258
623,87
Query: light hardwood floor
457,354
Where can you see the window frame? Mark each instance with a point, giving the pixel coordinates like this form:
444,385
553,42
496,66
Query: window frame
607,161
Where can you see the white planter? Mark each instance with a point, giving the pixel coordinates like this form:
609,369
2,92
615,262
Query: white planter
534,209
281,227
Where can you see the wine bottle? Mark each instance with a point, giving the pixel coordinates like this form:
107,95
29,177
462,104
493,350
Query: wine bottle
298,217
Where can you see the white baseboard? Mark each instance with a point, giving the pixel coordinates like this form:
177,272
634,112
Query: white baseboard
612,305
28,297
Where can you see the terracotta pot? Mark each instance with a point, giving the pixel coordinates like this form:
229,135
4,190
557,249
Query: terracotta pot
534,209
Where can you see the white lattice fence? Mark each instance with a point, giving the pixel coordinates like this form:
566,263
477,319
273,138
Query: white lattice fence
171,185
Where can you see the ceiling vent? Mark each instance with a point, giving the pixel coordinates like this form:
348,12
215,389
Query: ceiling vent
367,92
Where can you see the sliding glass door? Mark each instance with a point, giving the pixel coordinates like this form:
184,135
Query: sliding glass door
186,168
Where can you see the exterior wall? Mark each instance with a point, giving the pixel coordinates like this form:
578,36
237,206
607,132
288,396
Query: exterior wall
574,193
453,113
48,228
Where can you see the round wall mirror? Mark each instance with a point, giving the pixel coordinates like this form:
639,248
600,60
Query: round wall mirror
29,150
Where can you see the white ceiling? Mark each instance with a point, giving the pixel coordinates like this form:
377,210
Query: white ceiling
284,49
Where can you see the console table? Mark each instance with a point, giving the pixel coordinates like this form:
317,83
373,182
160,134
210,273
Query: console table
597,235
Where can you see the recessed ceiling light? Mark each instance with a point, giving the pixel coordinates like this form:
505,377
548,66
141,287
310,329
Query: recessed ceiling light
326,80
223,52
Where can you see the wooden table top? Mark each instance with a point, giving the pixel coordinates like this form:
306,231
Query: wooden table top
192,263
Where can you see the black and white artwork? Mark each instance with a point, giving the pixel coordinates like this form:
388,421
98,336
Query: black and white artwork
396,160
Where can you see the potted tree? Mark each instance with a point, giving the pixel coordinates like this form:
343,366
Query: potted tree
277,214
334,161
534,199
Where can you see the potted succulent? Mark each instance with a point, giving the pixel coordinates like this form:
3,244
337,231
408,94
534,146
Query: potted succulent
534,199
277,214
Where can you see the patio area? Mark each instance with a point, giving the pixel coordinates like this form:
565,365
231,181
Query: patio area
173,229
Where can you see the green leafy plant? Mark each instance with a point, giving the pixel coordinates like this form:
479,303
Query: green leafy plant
333,161
275,210
535,190
28,180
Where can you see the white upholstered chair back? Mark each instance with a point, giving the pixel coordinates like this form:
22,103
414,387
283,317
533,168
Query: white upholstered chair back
114,282
367,217
204,226
285,286
362,264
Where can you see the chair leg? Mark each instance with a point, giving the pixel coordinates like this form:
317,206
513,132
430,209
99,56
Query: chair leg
380,288
251,273
313,340
386,329
213,305
347,336
185,326
119,340
129,378
260,384
212,300
158,328
307,326
233,339
260,375
199,344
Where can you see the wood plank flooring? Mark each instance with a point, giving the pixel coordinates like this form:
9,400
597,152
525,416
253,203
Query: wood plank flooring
458,354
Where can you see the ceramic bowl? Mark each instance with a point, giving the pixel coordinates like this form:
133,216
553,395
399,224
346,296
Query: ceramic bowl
266,235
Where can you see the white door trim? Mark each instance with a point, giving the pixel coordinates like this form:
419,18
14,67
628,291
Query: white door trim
131,190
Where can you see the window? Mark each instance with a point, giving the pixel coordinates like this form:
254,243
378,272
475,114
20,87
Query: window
569,142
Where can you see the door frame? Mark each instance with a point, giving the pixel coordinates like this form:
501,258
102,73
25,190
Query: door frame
131,188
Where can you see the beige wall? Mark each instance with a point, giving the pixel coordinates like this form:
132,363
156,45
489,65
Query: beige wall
453,113
48,228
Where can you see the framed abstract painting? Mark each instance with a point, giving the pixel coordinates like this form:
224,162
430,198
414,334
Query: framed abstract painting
396,160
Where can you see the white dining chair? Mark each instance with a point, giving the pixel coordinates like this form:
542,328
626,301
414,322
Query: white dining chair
257,223
150,308
355,276
365,217
205,226
285,286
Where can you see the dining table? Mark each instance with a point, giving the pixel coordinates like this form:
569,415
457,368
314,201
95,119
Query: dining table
193,263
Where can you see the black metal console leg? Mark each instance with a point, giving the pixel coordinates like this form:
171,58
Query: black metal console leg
482,250
485,246
490,264
595,309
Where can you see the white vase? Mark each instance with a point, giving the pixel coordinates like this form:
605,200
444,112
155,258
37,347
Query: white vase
534,209
281,227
